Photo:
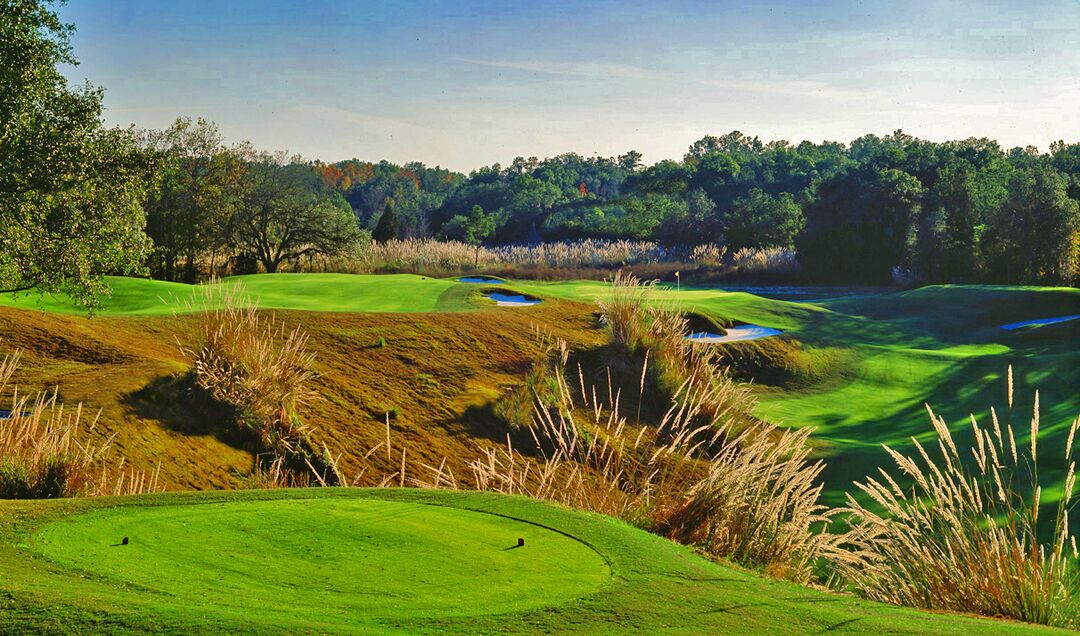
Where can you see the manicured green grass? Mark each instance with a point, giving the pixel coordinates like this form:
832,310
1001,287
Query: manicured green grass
391,561
307,292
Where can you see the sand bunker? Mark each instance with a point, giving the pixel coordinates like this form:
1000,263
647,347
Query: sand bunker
735,334
1038,322
480,279
512,300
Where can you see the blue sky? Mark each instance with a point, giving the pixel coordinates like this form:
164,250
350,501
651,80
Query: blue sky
464,84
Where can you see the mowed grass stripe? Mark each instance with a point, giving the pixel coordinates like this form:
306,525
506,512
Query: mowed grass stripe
301,292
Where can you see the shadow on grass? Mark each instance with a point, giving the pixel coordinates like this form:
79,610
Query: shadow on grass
181,406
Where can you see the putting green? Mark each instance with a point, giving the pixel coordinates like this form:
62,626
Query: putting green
328,559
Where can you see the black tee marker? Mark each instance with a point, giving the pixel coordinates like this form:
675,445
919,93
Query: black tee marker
521,542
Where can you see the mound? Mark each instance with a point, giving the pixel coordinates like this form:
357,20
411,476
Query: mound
390,561
314,559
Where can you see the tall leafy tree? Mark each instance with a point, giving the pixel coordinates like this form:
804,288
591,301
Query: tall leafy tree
198,184
858,227
472,229
70,190
283,215
1034,237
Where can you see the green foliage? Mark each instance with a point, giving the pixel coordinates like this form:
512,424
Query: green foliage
388,227
188,212
282,217
762,220
1033,236
857,228
471,229
882,204
70,190
72,196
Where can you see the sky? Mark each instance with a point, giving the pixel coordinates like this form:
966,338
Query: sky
463,84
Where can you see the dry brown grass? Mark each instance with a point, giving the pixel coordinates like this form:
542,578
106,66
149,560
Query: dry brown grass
750,496
594,259
966,535
773,261
640,326
254,363
44,452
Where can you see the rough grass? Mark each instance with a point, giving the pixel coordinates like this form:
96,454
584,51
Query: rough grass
264,370
870,363
427,375
45,452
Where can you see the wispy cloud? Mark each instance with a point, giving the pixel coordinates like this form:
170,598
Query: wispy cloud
585,69
786,87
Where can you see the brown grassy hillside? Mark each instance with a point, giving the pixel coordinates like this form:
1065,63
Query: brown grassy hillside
436,376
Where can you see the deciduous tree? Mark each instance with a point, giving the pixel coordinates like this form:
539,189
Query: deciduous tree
70,190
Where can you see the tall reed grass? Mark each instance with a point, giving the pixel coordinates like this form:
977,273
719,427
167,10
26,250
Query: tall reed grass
967,534
749,495
586,258
643,327
45,451
264,370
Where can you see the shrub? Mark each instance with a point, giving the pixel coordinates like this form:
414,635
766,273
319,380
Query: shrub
965,535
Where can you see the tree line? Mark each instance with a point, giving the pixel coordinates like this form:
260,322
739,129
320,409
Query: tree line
960,211
79,201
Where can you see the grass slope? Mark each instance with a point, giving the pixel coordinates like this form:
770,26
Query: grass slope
436,374
391,561
870,361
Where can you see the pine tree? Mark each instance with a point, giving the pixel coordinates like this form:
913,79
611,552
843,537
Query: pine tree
387,228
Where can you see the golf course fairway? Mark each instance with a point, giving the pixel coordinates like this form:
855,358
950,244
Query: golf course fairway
391,561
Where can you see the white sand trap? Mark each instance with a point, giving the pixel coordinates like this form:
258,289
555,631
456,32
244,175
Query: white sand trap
480,279
1039,322
735,334
510,300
